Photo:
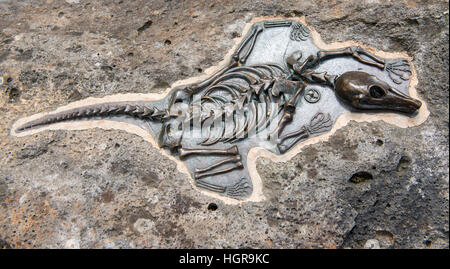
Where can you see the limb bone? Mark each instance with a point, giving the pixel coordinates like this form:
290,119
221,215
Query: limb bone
250,38
233,159
230,151
356,52
224,170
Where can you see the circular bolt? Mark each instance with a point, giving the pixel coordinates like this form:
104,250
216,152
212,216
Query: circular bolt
312,96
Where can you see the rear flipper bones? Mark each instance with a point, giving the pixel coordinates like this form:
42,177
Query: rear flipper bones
234,161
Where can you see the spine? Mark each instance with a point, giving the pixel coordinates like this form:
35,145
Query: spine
142,111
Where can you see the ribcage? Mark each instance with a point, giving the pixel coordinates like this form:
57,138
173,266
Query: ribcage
238,103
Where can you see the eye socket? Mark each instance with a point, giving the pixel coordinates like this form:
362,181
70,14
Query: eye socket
376,91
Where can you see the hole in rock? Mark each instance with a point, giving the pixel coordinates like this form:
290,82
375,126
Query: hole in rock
360,177
146,25
13,94
212,207
403,165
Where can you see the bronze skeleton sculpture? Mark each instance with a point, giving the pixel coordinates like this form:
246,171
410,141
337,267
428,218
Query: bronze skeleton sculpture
257,100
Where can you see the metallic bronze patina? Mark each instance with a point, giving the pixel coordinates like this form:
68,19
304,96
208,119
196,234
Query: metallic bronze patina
365,91
257,100
312,96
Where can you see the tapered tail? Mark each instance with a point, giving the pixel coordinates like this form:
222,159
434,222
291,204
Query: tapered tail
138,110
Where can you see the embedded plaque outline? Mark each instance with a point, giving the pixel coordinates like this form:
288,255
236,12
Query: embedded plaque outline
255,152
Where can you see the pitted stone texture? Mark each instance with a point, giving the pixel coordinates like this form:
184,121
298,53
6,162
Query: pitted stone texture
111,189
398,202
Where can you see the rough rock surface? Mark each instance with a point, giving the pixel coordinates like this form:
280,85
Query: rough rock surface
370,185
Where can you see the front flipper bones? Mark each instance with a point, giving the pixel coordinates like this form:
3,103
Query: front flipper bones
398,70
319,123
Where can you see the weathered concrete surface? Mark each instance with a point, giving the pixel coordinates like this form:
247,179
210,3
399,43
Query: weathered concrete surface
110,189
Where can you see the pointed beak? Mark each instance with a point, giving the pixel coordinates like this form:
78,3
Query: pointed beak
402,102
